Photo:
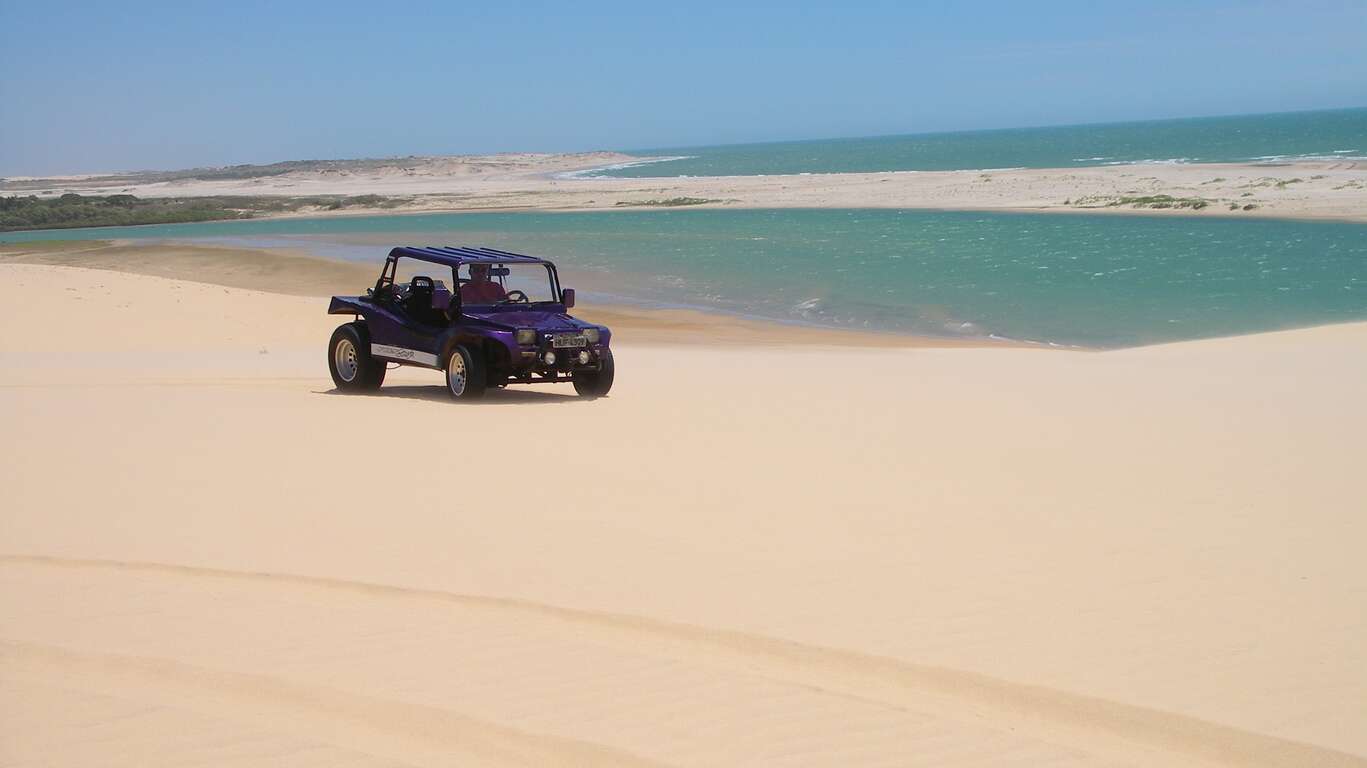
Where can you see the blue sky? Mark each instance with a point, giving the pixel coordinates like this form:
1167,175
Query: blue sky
112,86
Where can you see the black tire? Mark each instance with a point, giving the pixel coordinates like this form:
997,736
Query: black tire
472,382
596,383
366,372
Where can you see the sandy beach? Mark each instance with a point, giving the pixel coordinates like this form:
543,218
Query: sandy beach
720,385
942,556
1303,189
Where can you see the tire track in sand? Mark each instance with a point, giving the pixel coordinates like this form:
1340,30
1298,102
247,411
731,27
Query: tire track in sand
362,723
1096,726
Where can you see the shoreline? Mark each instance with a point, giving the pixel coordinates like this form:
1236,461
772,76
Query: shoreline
297,273
365,212
293,272
1320,190
358,212
1074,211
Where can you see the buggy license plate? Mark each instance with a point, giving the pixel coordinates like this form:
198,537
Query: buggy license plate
563,340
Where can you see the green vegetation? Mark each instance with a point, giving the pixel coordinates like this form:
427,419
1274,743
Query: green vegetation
356,201
671,202
1272,181
1163,201
1145,201
235,172
72,210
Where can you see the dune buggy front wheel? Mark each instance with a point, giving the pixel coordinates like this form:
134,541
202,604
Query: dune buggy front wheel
465,374
349,360
596,383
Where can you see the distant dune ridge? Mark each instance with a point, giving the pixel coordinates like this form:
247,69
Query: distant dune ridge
1327,189
897,555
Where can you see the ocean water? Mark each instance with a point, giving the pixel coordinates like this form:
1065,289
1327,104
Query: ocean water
1246,138
1096,281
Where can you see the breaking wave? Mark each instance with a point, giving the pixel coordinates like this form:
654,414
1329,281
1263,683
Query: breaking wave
601,171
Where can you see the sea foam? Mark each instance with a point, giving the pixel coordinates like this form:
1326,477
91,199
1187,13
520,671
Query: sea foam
599,171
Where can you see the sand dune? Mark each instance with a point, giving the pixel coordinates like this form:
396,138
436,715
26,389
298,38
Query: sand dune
754,555
1311,189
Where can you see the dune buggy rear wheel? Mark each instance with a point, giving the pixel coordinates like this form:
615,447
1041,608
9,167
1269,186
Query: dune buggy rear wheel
596,383
349,360
465,374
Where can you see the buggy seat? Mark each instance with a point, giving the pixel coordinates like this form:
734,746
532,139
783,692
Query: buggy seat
426,301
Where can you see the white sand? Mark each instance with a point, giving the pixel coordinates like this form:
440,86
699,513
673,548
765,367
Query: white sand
933,556
1309,189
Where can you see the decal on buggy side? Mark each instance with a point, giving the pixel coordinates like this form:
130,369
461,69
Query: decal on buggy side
403,353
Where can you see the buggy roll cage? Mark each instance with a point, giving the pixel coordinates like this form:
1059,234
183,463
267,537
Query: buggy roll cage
454,257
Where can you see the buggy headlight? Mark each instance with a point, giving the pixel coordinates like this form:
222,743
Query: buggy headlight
591,335
526,336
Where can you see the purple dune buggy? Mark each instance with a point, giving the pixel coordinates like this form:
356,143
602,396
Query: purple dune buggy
504,321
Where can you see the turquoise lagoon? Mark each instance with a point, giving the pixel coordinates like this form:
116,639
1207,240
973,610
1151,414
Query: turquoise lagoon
1087,280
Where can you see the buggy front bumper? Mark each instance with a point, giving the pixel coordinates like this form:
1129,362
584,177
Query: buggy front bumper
548,361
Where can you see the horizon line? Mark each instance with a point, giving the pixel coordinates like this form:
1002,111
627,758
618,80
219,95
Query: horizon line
114,172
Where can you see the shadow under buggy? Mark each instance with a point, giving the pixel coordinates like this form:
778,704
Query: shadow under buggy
501,319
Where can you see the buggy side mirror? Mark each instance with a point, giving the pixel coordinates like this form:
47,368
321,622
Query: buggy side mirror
567,297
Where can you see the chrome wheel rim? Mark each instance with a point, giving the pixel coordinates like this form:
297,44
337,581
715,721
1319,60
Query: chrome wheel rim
344,357
455,374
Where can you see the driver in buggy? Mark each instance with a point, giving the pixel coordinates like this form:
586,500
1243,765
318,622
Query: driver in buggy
480,289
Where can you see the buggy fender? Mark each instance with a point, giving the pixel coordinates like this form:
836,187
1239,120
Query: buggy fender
493,347
348,305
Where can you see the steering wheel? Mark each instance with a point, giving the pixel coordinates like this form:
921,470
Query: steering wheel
515,297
